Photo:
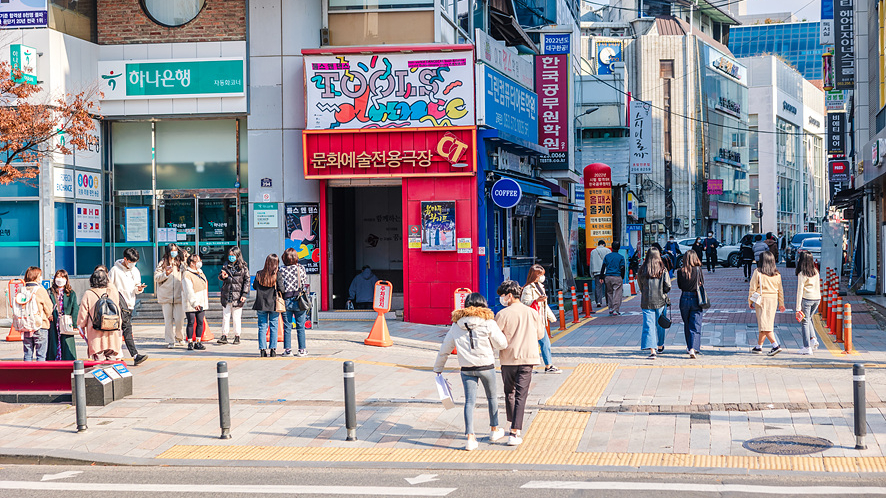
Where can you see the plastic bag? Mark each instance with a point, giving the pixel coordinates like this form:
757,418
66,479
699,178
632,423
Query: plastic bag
444,392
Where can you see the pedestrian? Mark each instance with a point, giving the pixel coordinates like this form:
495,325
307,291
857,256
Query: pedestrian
782,245
808,298
772,245
476,337
614,274
102,302
759,248
654,283
295,288
362,289
688,279
522,330
764,296
31,315
672,251
710,248
168,288
747,259
234,276
698,247
195,296
535,297
268,304
597,274
127,279
61,329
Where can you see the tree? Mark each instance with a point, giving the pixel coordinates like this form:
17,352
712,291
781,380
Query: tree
33,127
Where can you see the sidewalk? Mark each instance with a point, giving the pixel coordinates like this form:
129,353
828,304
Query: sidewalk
611,408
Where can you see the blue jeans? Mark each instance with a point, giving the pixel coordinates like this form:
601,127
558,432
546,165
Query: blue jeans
300,316
35,344
545,344
267,319
470,379
650,323
810,306
692,314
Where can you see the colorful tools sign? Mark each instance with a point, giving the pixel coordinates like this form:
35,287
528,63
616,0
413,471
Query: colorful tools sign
390,153
598,205
387,90
438,226
303,234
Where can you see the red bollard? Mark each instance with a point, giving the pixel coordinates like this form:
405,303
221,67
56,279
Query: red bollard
574,306
562,310
839,321
847,329
586,304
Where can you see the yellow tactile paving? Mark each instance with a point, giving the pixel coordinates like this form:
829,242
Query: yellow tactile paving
584,386
834,348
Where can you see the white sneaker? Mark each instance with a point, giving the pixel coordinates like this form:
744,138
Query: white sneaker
471,445
806,351
814,344
497,434
514,440
170,346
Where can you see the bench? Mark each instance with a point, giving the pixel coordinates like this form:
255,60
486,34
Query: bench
40,376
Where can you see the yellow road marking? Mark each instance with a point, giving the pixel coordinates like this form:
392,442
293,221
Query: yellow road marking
584,321
829,343
584,386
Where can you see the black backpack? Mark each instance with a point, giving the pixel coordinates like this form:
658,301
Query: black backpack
106,314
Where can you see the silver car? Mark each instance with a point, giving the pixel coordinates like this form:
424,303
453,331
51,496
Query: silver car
726,255
813,245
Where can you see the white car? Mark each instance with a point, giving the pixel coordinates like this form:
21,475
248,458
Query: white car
726,255
813,245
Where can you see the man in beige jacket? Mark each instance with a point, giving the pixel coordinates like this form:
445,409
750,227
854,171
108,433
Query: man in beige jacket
521,327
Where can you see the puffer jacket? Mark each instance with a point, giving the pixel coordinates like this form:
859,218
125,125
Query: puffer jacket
235,286
476,337
168,287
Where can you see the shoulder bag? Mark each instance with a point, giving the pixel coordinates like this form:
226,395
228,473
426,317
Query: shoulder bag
303,299
703,301
664,320
757,297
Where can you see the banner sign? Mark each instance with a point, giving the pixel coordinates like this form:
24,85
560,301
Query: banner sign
24,14
303,234
844,57
839,170
715,187
170,79
23,58
88,185
438,226
552,87
835,100
608,51
598,205
836,133
88,222
826,36
390,153
554,44
505,105
641,137
418,90
504,59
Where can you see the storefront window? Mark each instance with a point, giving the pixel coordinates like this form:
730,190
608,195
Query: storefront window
131,155
378,4
64,236
196,154
19,236
521,236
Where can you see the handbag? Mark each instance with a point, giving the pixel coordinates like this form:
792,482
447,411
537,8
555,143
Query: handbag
280,304
703,301
66,325
756,297
664,320
304,302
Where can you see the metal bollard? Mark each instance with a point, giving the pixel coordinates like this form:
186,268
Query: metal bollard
847,328
350,401
860,409
224,400
574,306
562,310
79,376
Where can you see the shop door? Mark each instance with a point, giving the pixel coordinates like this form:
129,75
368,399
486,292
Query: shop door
176,220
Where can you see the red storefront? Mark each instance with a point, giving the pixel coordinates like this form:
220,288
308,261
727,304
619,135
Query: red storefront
397,170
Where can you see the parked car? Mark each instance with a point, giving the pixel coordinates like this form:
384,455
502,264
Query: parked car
790,256
727,255
813,245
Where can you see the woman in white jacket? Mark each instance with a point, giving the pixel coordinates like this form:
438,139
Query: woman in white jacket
535,297
476,337
195,297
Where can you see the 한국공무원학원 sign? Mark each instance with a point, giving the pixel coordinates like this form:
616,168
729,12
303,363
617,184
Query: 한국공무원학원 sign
186,78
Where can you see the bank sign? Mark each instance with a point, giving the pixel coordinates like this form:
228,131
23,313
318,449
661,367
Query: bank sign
505,105
389,90
170,79
23,58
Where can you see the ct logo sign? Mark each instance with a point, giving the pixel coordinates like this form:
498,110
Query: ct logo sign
506,193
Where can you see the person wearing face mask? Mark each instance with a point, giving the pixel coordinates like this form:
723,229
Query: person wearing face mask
32,314
523,328
195,296
128,281
535,297
168,286
234,276
64,307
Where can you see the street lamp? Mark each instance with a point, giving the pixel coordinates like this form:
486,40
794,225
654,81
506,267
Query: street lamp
578,128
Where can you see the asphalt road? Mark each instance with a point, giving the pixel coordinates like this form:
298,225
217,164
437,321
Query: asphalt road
94,481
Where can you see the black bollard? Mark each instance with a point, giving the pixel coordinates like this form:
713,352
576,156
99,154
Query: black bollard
79,376
859,403
224,400
350,402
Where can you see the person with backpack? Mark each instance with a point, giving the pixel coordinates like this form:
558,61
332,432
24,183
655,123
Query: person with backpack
168,288
128,281
31,315
99,318
61,330
295,280
234,276
268,304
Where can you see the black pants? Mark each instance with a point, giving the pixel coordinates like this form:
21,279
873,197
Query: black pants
712,261
126,326
748,271
516,379
363,306
194,332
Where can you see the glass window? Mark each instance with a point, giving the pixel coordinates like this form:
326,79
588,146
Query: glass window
64,236
131,155
172,13
73,17
24,188
19,236
196,154
379,4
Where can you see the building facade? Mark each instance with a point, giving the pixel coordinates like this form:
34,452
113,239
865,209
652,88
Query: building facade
798,43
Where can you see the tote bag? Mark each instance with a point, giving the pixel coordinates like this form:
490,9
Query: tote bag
703,301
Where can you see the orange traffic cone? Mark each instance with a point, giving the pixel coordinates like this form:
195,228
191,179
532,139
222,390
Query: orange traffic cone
207,334
379,335
14,335
633,284
279,330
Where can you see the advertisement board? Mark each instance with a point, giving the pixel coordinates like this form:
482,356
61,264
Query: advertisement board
411,90
88,222
438,226
836,133
390,153
88,185
844,44
552,87
504,59
641,137
826,35
303,234
608,51
725,65
835,100
63,183
505,105
170,79
839,170
598,205
24,14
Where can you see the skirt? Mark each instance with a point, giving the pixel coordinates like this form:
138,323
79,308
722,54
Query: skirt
766,314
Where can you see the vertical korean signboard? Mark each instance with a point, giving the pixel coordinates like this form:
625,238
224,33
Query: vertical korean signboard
836,134
826,36
552,87
641,138
844,57
598,205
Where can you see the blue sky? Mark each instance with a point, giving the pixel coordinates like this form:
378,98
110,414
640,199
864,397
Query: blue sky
811,11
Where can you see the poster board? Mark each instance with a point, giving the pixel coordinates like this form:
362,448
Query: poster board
303,234
438,226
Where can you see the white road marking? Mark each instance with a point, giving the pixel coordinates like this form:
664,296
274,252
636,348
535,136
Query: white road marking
61,475
705,488
422,478
225,488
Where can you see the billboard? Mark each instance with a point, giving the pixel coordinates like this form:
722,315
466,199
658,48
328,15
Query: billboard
844,45
837,133
505,105
552,87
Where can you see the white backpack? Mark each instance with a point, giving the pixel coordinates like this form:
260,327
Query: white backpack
26,315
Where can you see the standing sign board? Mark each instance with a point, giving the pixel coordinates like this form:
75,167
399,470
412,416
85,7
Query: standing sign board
381,297
598,205
303,234
641,138
844,43
459,297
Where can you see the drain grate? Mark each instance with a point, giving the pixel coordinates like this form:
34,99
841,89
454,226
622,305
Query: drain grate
788,445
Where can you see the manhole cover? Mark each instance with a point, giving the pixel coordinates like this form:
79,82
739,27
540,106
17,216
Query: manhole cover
788,445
